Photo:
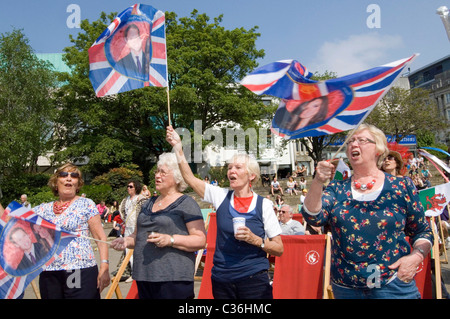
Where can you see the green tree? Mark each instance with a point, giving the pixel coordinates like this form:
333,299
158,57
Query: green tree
26,105
205,62
403,112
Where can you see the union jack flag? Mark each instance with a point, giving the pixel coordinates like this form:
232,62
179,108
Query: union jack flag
130,53
26,232
313,108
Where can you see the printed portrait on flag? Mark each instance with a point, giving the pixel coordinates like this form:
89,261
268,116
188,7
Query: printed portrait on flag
130,53
334,105
26,247
297,116
128,50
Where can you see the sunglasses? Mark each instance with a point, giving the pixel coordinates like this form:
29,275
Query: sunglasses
130,186
72,174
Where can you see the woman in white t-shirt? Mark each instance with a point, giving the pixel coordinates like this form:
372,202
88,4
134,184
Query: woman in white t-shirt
240,260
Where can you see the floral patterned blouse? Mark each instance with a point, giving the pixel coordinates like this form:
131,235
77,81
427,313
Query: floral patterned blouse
368,236
78,253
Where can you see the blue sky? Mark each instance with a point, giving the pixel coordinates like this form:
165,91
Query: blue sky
322,34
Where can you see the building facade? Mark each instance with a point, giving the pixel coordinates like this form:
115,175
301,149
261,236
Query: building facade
436,78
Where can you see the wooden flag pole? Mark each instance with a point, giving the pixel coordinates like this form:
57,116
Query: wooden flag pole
168,106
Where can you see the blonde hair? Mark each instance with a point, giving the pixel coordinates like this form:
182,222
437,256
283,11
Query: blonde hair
68,167
170,160
379,139
250,163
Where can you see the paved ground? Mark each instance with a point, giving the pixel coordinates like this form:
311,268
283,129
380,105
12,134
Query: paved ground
124,287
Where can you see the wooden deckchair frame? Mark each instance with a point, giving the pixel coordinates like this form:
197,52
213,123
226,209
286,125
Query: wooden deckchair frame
437,261
327,290
115,283
200,251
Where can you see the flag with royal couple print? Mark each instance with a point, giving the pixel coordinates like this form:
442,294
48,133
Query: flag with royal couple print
315,108
130,53
28,243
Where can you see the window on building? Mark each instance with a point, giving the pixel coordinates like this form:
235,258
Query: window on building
447,98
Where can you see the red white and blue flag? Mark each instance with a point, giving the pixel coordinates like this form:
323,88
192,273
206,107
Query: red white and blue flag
28,243
131,53
315,108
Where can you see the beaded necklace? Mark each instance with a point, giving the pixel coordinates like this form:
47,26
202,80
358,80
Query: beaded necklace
364,187
58,208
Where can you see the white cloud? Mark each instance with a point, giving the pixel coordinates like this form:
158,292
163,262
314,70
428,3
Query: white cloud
354,54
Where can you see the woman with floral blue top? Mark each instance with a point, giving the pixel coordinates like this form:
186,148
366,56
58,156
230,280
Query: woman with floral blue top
370,217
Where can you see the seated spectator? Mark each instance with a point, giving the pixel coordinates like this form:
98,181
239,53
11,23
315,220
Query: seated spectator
275,187
413,171
411,161
302,183
291,187
288,225
265,180
418,182
426,175
301,171
303,195
279,201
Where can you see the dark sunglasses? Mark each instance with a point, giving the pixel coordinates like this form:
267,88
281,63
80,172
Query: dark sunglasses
72,174
130,186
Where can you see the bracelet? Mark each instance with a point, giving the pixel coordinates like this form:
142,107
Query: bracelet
420,250
105,261
172,241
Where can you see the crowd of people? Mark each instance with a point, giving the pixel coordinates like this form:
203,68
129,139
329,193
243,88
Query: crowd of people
375,217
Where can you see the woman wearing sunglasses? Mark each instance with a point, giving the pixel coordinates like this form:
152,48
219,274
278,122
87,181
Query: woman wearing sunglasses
393,164
370,216
74,274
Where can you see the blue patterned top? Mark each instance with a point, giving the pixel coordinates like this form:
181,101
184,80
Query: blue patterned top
78,253
368,236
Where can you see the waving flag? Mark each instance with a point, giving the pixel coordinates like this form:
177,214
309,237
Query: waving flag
437,149
28,244
434,160
312,108
343,172
435,199
131,53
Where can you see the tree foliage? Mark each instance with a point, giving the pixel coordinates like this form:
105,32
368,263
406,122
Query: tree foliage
26,107
403,112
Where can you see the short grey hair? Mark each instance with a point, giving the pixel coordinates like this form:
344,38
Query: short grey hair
291,210
170,160
250,162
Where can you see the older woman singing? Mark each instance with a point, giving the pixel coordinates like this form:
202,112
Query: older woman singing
240,260
370,216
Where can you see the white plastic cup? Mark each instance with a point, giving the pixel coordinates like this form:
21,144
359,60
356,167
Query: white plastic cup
238,222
